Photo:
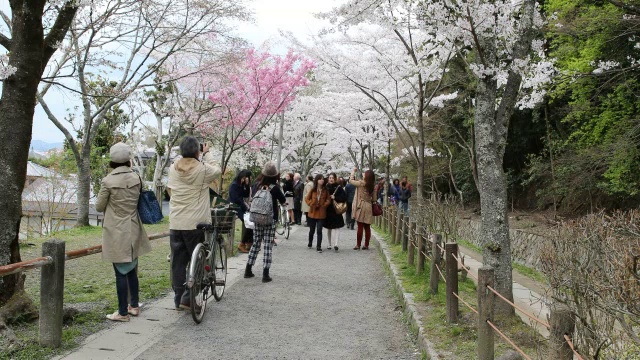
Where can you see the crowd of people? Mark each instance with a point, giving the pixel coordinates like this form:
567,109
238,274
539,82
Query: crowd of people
328,203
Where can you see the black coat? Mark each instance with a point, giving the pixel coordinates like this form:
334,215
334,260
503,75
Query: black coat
298,189
236,196
333,220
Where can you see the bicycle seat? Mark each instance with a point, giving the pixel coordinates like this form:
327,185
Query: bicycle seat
205,226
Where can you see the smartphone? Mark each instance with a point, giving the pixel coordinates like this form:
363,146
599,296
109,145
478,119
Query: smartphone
201,147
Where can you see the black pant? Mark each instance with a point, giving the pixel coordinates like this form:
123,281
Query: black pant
247,235
350,220
126,284
182,243
315,225
297,216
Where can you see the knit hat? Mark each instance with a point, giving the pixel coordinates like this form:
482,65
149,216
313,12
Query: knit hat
120,153
270,169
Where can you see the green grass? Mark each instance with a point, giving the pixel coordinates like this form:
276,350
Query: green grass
457,341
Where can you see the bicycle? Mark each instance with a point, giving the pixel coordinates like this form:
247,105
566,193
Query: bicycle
283,227
207,270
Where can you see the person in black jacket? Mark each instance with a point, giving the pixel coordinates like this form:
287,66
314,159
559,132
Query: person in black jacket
298,189
350,189
266,233
287,187
237,193
404,195
334,221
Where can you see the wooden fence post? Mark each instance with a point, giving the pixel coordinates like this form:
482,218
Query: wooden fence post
411,246
562,323
422,240
434,277
485,348
392,231
451,275
51,294
385,215
405,232
398,228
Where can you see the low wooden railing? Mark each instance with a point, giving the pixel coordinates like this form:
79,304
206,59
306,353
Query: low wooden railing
446,264
52,263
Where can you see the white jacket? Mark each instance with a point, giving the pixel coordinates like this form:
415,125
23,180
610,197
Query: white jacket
189,181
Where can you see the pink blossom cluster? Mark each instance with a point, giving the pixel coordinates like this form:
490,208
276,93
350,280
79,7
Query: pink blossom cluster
261,86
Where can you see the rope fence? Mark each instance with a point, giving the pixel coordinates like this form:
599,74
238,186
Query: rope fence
407,232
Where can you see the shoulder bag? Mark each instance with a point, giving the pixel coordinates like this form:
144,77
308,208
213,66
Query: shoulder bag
148,206
376,209
339,207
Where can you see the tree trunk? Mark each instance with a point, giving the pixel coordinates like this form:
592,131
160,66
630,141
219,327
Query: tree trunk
16,119
490,145
84,188
29,51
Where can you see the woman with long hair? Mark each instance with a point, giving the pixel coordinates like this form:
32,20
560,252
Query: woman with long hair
334,221
362,203
318,199
287,187
238,191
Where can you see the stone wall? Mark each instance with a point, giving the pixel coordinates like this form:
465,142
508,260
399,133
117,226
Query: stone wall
525,247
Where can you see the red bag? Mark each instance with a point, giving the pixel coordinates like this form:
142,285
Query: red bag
376,209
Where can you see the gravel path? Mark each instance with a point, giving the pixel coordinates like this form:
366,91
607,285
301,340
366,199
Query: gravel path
319,306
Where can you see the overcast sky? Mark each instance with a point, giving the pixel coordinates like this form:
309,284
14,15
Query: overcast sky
270,16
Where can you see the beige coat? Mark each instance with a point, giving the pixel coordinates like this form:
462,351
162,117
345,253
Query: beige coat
307,187
362,202
189,181
123,237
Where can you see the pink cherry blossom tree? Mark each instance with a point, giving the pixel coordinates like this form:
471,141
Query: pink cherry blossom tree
252,93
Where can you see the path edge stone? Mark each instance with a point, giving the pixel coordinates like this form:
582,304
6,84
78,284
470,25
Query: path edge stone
410,310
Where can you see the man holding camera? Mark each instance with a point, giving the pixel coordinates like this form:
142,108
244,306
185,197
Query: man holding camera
188,185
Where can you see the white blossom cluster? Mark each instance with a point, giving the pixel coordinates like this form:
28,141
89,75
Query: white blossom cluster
6,70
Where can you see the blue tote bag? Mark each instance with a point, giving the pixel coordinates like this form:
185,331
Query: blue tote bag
148,207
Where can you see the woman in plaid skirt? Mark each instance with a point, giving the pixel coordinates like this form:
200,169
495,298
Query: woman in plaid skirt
266,233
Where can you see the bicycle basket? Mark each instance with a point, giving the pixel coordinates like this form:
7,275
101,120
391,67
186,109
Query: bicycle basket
222,219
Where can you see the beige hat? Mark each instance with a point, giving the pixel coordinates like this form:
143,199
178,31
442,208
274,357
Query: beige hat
270,169
120,153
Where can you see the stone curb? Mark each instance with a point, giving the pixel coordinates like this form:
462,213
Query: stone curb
409,306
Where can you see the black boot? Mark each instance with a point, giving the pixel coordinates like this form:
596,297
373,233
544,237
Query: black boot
247,272
265,276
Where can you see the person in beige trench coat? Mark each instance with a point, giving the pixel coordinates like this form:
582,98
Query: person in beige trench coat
123,237
363,212
305,207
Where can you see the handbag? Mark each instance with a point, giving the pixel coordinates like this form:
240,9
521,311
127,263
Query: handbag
376,209
148,206
339,207
247,221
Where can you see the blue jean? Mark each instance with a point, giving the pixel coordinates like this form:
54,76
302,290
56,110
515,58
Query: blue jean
315,225
404,207
126,284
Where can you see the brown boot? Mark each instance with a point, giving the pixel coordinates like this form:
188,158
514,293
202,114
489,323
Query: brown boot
242,248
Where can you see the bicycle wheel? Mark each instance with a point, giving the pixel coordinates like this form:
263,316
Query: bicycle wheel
280,224
287,229
219,269
198,283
